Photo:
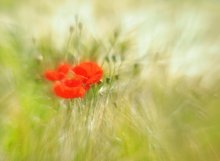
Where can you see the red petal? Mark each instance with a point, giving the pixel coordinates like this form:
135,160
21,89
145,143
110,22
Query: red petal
72,82
51,75
63,68
61,90
80,71
87,87
90,70
94,79
57,74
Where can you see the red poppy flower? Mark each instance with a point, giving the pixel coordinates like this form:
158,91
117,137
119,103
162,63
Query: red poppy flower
75,84
90,72
69,88
58,74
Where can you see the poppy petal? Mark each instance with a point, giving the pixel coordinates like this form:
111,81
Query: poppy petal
90,70
72,82
80,71
51,75
94,79
63,68
63,91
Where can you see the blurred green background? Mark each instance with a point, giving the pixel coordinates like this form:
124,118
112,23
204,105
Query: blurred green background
159,99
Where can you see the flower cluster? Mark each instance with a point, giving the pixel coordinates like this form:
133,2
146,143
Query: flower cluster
73,81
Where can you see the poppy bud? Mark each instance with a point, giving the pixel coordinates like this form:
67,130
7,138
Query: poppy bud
107,59
80,26
114,58
116,76
71,29
108,80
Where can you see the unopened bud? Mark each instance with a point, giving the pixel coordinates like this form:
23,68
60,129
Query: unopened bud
117,77
71,29
107,59
114,58
108,80
80,26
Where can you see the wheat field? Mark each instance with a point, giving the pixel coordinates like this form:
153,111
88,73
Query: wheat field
159,98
